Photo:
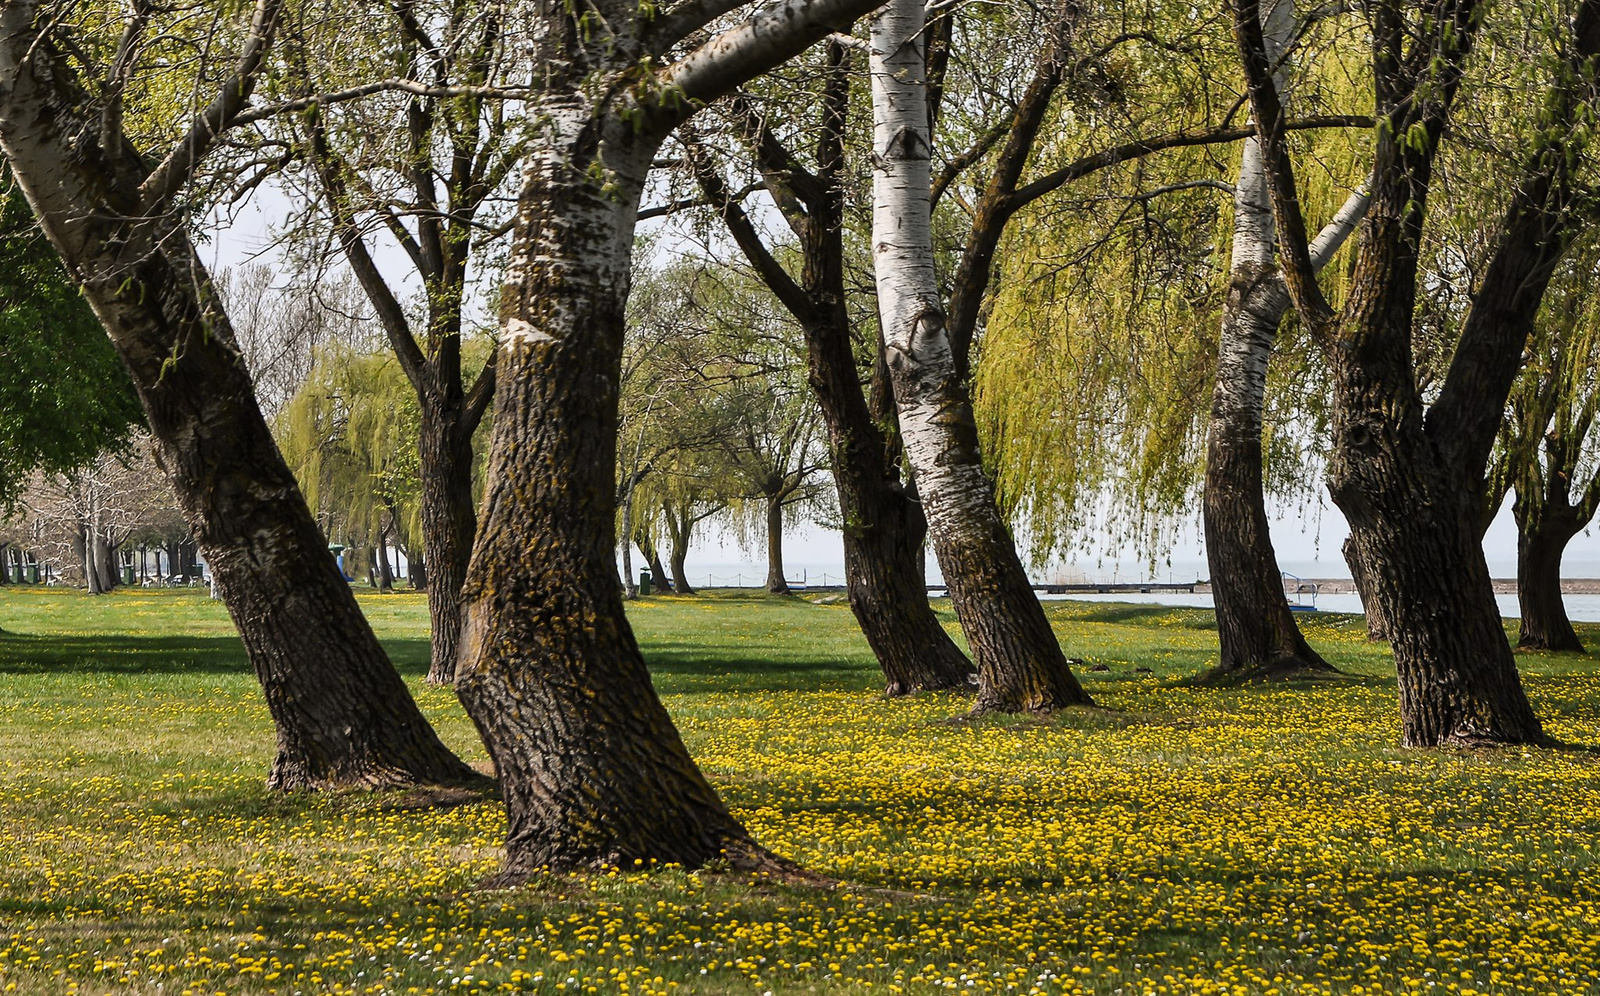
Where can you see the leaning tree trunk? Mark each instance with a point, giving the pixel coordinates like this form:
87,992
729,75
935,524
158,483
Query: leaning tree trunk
592,769
777,584
883,527
1020,664
343,715
1256,630
659,572
680,573
1377,625
448,524
1255,626
1542,538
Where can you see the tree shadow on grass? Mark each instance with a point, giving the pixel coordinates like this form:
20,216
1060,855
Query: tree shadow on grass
133,655
679,667
1128,614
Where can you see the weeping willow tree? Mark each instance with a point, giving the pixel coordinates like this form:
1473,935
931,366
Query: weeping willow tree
1095,372
1550,447
350,435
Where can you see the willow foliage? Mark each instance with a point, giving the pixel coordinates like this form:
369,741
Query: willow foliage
1095,374
350,436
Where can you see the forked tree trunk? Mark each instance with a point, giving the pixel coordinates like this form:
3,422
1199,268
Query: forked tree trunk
343,716
777,584
592,769
1542,538
1377,625
1020,665
1410,479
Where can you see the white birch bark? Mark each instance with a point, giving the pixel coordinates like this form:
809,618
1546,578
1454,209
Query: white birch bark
1020,665
1255,626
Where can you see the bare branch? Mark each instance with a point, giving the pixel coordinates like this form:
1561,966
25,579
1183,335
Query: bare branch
169,177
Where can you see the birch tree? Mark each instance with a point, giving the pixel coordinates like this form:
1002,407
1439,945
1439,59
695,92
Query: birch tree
1020,664
1257,630
882,524
117,209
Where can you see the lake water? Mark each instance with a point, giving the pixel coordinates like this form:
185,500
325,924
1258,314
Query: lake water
1580,608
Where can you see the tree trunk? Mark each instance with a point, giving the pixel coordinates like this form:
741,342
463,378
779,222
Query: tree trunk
1257,632
680,576
1020,664
630,585
419,573
777,584
1255,626
83,547
448,522
1377,625
657,571
592,769
385,572
1542,538
343,716
884,566
105,562
1458,682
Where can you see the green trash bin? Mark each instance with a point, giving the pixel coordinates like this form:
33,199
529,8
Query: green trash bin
127,576
33,573
16,573
644,582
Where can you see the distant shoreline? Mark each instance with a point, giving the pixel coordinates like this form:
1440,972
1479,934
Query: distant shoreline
1502,586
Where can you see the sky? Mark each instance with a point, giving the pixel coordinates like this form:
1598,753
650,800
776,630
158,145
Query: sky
1307,544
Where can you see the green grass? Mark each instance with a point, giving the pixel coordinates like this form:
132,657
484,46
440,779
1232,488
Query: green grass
1175,840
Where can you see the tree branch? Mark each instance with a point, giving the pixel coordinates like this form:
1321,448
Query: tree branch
766,39
169,177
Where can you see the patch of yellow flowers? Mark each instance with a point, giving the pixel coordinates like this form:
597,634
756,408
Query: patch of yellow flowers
1184,841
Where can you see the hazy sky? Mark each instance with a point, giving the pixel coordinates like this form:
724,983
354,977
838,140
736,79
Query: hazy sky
1308,547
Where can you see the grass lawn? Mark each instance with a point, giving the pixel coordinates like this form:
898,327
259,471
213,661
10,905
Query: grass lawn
1177,840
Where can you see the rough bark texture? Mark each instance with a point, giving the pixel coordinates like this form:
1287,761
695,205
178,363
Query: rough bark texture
1410,478
1542,538
777,584
592,768
1020,664
448,524
883,526
1255,627
343,716
1377,624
